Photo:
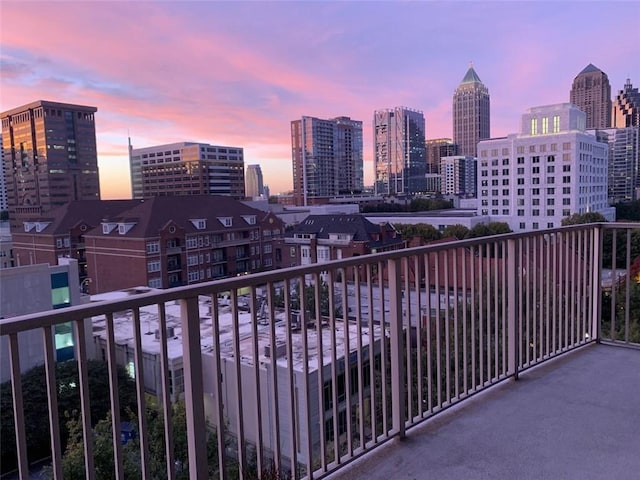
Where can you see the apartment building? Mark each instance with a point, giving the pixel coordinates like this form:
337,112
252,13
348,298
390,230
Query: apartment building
550,170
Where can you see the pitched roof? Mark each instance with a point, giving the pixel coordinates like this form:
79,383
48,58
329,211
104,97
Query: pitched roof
471,77
91,212
590,69
360,229
152,215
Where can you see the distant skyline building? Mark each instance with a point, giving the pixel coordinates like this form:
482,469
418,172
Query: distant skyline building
550,170
626,107
591,93
436,149
3,180
254,184
624,163
458,175
399,154
471,114
50,157
187,168
327,157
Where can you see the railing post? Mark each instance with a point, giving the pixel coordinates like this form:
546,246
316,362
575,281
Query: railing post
398,401
598,245
193,389
513,283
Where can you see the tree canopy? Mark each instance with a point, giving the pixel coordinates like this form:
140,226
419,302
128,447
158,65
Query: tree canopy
581,218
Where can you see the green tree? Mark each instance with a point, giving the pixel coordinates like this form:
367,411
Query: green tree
458,231
423,230
580,218
629,211
36,411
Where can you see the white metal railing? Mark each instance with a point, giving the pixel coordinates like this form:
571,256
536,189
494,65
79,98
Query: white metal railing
303,369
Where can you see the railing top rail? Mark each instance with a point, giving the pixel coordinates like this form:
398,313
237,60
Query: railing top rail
53,317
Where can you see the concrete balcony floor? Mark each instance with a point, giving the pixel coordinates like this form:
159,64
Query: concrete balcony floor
577,417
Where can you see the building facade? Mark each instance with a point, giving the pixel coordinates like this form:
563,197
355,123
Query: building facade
624,163
4,206
327,158
187,168
322,238
50,157
254,182
550,170
37,288
626,107
591,93
399,154
458,175
436,149
471,114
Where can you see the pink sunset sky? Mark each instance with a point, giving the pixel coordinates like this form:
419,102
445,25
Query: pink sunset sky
237,73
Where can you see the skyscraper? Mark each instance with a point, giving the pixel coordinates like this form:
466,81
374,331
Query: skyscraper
254,184
458,175
471,113
327,158
436,149
624,163
591,93
50,157
399,154
187,168
626,107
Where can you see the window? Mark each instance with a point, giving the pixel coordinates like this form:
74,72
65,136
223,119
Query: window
522,226
505,211
193,276
535,181
153,266
153,247
534,126
521,191
535,159
566,179
534,225
521,181
535,170
58,243
520,170
521,213
550,212
551,179
566,190
155,283
566,201
192,260
535,191
566,168
505,161
551,191
535,201
556,123
535,212
551,158
267,248
545,125
520,160
550,201
192,242
550,169
226,221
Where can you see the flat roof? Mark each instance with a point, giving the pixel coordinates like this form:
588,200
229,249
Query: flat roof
123,332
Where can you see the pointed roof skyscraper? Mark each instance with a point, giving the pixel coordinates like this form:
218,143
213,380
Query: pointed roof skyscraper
471,113
591,93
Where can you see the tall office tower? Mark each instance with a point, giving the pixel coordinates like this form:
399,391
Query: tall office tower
458,175
591,93
436,149
626,107
187,168
254,184
471,113
327,158
3,180
550,170
399,154
624,163
50,157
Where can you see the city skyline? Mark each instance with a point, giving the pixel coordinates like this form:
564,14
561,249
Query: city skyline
237,74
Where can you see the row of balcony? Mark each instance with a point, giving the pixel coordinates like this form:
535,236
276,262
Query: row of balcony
300,372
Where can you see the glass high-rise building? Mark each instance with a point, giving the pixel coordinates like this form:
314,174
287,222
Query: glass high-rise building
471,114
399,154
254,183
50,157
626,107
591,93
327,158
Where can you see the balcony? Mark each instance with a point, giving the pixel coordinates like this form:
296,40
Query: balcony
488,358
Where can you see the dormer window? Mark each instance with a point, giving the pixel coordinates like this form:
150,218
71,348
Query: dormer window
108,227
40,226
28,226
226,221
123,228
199,223
250,219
